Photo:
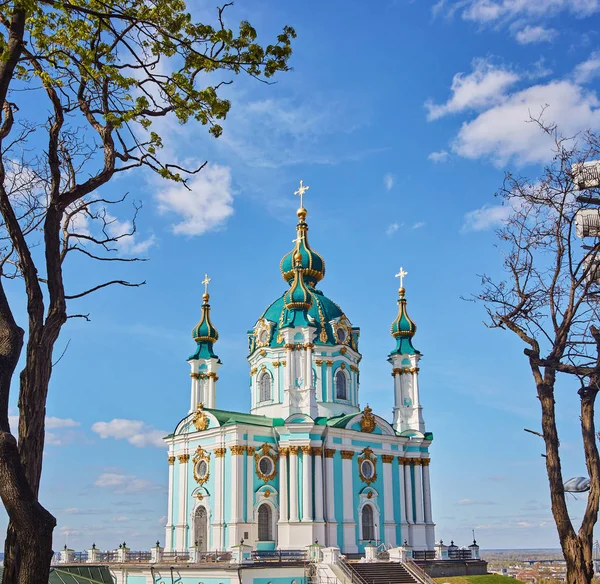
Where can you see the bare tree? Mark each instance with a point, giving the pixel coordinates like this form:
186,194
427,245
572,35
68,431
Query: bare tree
81,83
550,301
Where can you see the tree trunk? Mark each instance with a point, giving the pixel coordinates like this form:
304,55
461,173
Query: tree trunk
578,570
29,545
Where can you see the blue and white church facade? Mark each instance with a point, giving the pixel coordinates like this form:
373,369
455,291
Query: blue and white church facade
306,462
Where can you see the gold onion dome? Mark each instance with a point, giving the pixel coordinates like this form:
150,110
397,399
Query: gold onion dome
403,328
310,261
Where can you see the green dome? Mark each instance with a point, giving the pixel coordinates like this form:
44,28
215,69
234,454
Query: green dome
204,333
403,328
310,261
320,314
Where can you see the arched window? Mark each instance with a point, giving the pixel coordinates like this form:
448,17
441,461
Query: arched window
368,525
200,529
265,525
341,390
264,387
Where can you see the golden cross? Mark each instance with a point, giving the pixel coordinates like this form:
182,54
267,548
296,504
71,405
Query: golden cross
301,192
205,282
401,275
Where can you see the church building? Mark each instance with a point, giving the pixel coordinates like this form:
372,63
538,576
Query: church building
306,462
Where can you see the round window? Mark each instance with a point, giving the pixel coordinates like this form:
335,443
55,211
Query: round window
265,464
264,336
341,334
367,469
202,469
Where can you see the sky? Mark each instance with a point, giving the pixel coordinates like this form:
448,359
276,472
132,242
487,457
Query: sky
402,116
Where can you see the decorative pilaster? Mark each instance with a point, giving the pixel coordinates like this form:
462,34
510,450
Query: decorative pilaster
330,488
306,483
283,485
250,450
169,526
408,491
402,498
426,491
294,483
236,474
388,500
218,511
419,513
318,454
348,490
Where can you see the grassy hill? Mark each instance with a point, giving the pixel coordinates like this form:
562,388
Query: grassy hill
487,579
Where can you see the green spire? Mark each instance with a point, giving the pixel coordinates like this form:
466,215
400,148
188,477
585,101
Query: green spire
204,333
403,328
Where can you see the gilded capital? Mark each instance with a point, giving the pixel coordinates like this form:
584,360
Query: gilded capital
329,363
183,458
195,375
294,449
283,451
417,462
425,461
329,452
306,449
171,460
317,450
318,362
237,450
387,458
250,450
220,452
347,454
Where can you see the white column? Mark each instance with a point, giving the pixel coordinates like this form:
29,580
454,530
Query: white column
194,393
308,380
294,483
180,530
419,493
283,485
408,492
306,483
427,491
389,526
349,526
169,530
289,366
250,484
330,380
212,391
217,539
236,457
319,384
402,498
331,529
319,494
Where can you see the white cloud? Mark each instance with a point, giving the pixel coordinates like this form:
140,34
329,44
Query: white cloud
587,70
388,181
205,206
135,432
438,157
484,86
418,225
392,229
503,11
53,423
125,484
487,217
474,502
535,34
501,133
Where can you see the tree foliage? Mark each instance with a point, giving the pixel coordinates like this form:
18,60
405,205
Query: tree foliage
82,83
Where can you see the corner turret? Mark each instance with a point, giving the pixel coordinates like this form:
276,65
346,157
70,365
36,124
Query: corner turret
408,413
204,362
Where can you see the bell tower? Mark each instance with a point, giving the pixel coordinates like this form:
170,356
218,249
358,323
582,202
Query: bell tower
204,362
408,413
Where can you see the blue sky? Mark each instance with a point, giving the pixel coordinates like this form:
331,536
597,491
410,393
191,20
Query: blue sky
401,116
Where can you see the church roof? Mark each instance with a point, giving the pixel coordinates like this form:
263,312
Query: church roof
227,418
78,575
204,333
403,328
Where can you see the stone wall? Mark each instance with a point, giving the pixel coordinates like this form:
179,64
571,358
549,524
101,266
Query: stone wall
449,568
